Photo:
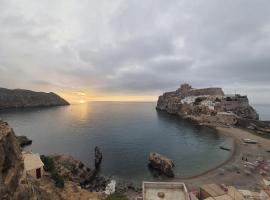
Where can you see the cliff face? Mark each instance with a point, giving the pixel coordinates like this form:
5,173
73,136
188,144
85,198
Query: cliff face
207,105
19,98
11,164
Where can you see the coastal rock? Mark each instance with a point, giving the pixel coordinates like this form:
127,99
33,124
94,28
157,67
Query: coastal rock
75,171
23,141
19,98
207,105
11,165
98,157
162,163
72,170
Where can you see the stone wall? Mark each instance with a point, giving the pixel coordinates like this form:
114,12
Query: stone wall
206,91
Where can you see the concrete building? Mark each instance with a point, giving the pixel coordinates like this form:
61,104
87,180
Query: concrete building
32,164
164,191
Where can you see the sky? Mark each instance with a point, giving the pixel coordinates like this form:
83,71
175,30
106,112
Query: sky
135,50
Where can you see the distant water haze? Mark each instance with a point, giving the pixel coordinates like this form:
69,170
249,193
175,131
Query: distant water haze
126,132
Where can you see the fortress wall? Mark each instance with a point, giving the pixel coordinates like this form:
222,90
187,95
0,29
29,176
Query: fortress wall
206,91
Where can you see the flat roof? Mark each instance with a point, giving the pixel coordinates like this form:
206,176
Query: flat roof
170,190
31,161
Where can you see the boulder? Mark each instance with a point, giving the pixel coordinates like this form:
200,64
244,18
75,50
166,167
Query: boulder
23,141
162,164
98,157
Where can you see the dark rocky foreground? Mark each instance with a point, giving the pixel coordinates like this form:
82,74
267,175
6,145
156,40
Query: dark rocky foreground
79,180
19,98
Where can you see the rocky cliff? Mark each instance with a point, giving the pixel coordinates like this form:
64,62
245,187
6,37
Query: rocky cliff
19,98
207,105
11,164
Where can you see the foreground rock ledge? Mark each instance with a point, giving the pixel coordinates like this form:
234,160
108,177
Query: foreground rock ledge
162,164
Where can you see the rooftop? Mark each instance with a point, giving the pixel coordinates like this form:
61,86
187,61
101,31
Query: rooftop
31,161
168,190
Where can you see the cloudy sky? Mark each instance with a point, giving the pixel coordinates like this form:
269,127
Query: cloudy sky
130,49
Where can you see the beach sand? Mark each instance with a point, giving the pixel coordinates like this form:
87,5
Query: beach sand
232,172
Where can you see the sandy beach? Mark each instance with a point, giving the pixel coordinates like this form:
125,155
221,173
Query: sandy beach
234,170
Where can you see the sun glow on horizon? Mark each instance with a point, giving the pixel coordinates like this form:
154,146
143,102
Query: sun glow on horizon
83,97
81,101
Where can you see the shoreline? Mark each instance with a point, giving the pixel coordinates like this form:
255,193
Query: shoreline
236,177
232,156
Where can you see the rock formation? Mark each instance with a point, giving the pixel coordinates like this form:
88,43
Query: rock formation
11,165
208,105
23,141
19,98
98,157
162,164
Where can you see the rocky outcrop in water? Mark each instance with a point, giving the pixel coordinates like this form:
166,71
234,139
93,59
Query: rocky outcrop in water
98,157
73,170
19,98
162,164
23,141
207,105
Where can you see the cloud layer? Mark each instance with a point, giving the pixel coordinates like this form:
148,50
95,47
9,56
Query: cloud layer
136,48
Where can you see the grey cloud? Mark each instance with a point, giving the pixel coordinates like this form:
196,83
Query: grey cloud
133,47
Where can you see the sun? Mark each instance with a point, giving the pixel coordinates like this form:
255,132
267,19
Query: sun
81,101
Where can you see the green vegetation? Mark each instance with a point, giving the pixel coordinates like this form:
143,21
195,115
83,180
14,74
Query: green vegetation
117,196
50,167
58,180
48,163
198,100
228,99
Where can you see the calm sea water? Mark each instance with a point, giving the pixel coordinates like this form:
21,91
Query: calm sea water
126,133
263,110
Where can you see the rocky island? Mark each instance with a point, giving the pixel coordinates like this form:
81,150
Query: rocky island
207,106
19,98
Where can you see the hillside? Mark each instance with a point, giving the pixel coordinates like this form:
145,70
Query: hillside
19,98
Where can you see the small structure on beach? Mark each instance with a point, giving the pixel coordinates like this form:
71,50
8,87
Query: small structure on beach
32,164
211,191
215,192
165,191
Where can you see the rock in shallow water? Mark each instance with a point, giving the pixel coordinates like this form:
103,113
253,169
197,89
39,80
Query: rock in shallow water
162,163
98,157
23,141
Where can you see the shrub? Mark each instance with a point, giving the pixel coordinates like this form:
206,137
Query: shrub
58,180
228,99
198,100
117,196
50,167
48,163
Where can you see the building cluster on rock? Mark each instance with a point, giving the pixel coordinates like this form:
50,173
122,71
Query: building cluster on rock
207,105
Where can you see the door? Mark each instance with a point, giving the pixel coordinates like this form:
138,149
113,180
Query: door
38,173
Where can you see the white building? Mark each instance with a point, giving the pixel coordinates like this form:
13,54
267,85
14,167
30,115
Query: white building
165,191
32,164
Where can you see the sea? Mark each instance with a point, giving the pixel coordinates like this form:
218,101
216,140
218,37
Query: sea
126,132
